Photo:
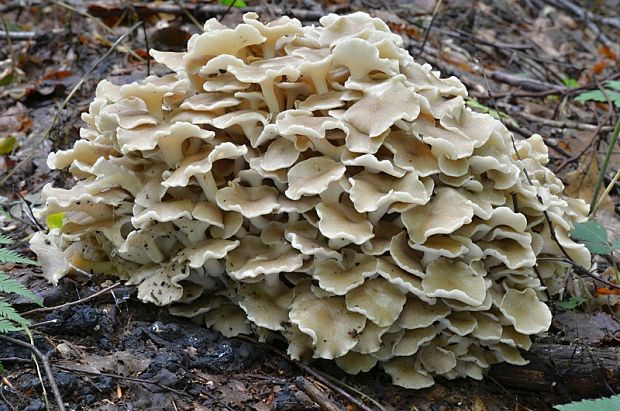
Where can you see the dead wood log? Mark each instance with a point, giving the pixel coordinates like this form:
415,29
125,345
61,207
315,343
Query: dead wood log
567,371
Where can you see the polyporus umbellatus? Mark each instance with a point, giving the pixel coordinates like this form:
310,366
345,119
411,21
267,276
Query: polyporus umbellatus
318,182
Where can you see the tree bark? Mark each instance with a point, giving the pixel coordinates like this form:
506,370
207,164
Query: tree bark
568,371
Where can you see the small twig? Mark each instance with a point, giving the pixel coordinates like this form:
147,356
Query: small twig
582,271
525,83
562,124
75,88
20,35
148,49
69,304
30,213
315,394
230,6
427,32
46,366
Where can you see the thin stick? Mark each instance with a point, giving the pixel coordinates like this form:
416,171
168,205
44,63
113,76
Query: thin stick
46,366
230,6
75,88
69,304
430,26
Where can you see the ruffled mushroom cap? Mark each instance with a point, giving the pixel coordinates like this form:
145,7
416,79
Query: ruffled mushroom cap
412,340
312,176
228,319
404,373
419,314
328,322
455,280
380,301
248,201
444,214
340,221
370,191
266,305
353,362
339,277
253,257
525,311
397,102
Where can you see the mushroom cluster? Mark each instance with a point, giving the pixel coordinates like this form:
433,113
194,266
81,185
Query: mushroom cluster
318,183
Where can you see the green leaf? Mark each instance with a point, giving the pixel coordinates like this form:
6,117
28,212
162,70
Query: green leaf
597,95
7,326
55,220
593,236
570,82
614,84
7,312
5,240
600,404
10,285
1,368
570,304
616,245
6,80
10,256
238,3
7,144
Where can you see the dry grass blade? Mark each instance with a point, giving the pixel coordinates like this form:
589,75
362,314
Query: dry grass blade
595,203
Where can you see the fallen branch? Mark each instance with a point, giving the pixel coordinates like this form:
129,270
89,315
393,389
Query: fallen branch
525,83
571,371
46,366
315,394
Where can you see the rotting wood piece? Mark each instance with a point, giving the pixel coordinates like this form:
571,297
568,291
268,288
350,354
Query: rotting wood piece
568,371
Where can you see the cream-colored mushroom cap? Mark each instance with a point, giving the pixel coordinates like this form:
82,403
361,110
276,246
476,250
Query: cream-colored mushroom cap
380,301
312,176
525,311
444,214
403,373
328,322
339,277
354,362
341,221
455,280
390,101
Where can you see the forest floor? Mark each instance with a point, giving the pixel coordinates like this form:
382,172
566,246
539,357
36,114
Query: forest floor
547,67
